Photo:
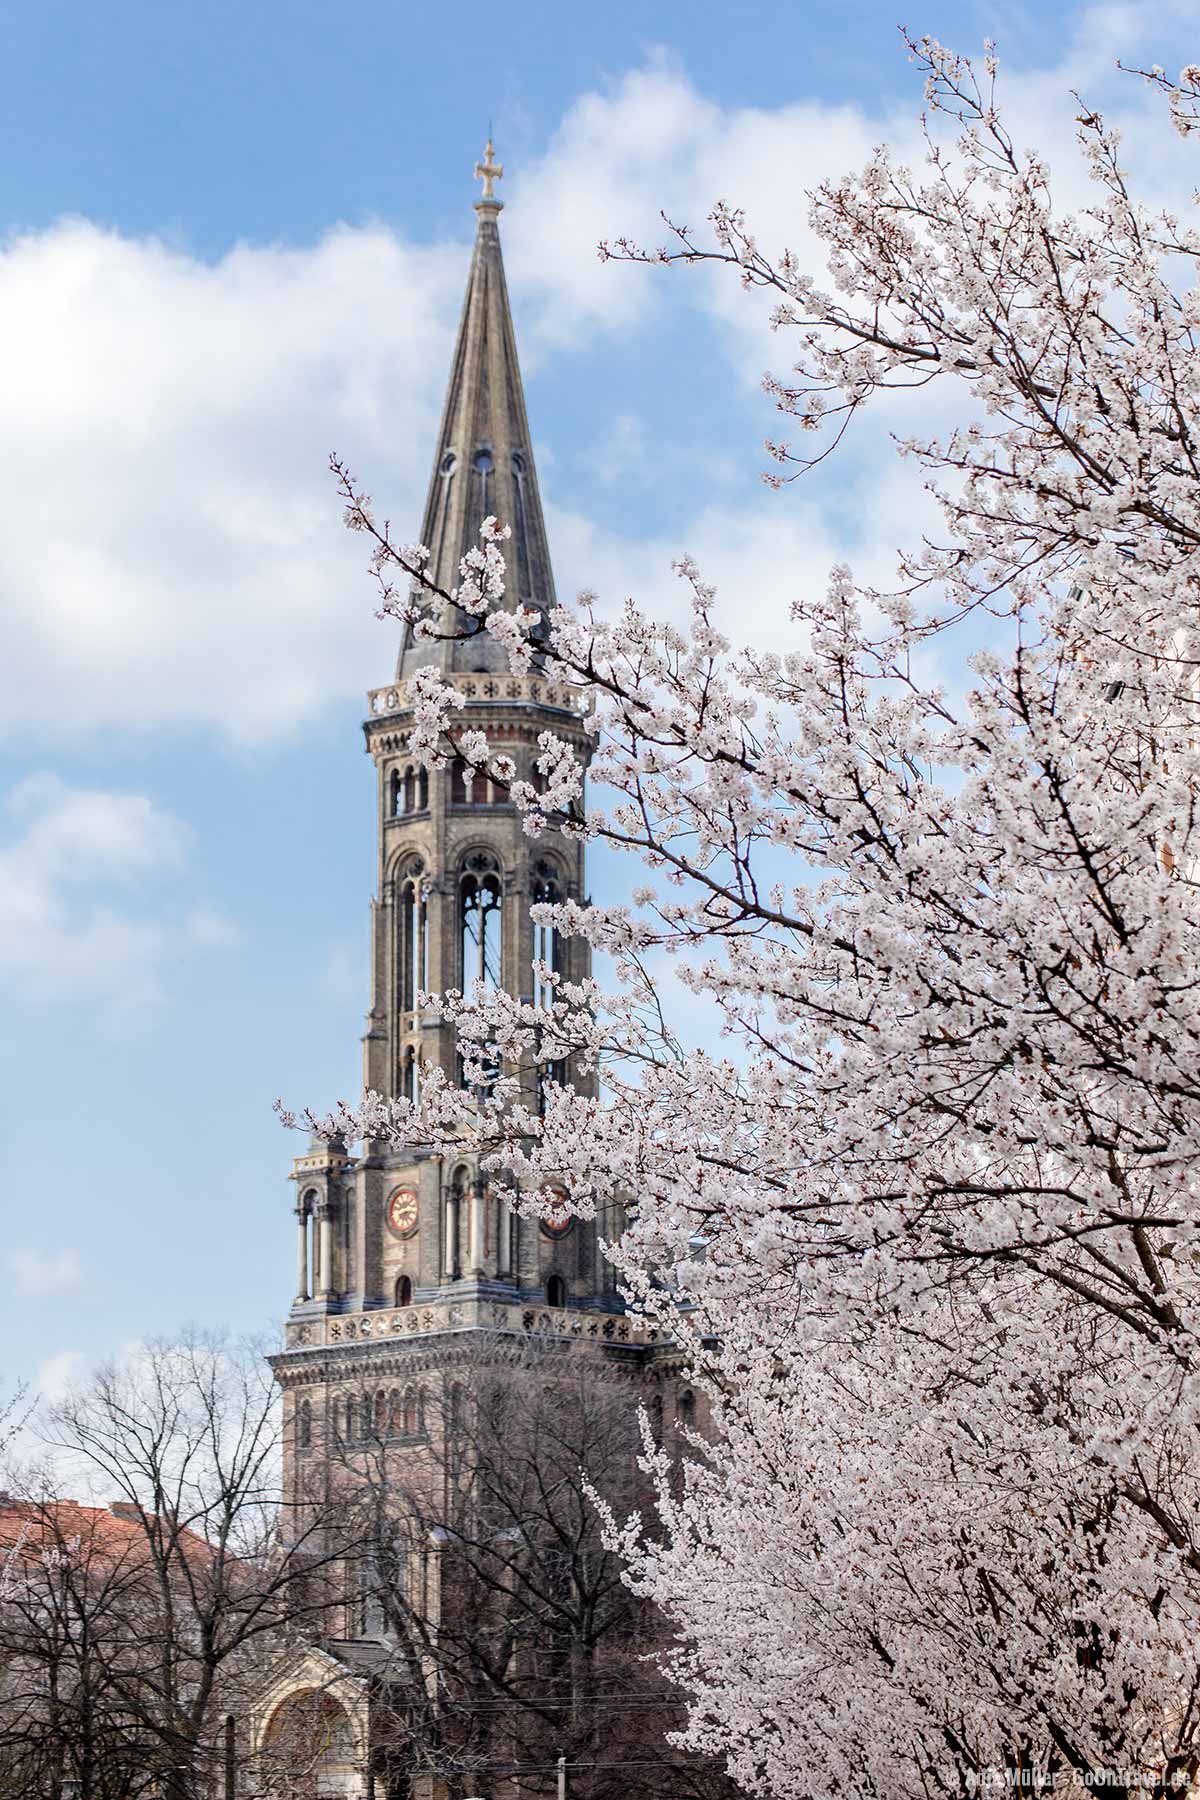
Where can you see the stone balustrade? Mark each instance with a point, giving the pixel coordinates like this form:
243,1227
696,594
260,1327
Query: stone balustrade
470,1313
485,688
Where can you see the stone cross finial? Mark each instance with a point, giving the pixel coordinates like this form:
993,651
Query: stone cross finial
488,171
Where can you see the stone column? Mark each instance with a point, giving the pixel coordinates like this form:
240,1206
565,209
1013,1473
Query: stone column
450,1226
325,1226
504,1258
301,1253
478,1254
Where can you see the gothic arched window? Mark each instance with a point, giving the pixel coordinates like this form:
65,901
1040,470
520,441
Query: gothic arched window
521,534
304,1424
412,938
351,1418
404,1291
556,1291
422,790
485,463
412,1414
480,920
547,943
410,1078
381,1417
461,783
395,1414
395,794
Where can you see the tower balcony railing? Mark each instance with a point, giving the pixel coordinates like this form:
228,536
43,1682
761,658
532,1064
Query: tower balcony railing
525,1318
538,690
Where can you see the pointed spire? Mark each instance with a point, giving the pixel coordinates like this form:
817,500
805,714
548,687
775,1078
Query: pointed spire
484,458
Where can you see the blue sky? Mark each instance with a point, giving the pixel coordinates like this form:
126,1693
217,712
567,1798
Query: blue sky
235,238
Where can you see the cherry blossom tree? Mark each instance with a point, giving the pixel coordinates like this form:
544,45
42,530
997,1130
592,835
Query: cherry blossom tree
927,1219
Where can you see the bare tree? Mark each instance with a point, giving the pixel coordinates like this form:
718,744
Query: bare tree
510,1635
129,1632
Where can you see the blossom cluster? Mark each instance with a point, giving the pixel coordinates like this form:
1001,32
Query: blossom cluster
926,1221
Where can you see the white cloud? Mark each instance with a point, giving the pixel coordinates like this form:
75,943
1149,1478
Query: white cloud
212,929
621,452
761,555
651,143
74,875
38,1272
58,1374
172,555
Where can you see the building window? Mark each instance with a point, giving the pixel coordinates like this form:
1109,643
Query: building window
312,1237
547,1073
521,533
304,1424
404,1291
410,1076
484,465
412,947
547,943
687,1408
481,921
422,790
456,1219
556,1291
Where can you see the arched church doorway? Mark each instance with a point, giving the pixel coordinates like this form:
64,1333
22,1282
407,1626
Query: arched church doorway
309,1750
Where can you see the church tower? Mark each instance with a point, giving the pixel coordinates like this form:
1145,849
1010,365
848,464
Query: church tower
410,1269
398,1249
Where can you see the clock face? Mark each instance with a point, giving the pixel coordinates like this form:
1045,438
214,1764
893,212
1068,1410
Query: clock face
403,1211
557,1222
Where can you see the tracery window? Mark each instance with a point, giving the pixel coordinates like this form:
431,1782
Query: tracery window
481,920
